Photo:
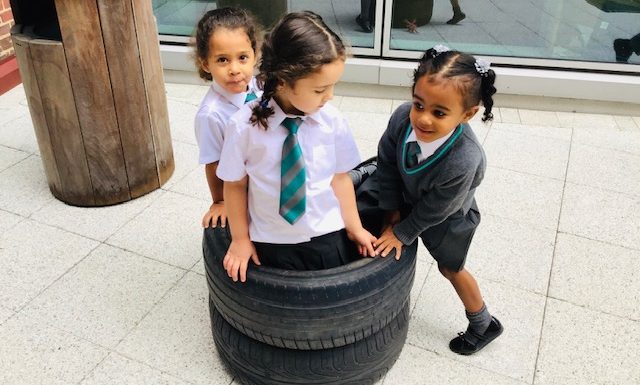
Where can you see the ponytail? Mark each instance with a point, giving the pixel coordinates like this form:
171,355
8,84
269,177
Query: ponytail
262,111
487,90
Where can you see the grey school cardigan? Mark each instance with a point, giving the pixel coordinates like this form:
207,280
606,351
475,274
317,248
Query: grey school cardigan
439,187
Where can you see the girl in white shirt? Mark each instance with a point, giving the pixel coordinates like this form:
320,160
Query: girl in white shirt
225,49
286,158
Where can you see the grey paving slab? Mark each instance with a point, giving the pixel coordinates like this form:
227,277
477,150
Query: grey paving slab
34,353
604,168
93,222
13,98
168,230
539,118
527,153
626,123
103,297
367,148
353,104
33,256
176,336
367,125
439,316
9,157
185,157
8,220
181,117
550,132
119,370
615,139
397,103
601,215
480,128
597,275
10,113
418,366
189,93
423,267
521,197
23,187
509,115
199,268
194,184
19,133
583,346
516,254
581,120
5,314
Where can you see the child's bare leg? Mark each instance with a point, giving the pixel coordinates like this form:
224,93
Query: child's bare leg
483,328
466,287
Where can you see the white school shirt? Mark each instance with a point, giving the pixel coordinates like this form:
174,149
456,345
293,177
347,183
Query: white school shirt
327,147
427,148
211,119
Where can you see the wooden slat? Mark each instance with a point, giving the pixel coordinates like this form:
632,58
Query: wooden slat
21,47
84,50
127,84
50,68
147,32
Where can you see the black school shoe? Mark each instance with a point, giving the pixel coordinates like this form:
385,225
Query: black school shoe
471,342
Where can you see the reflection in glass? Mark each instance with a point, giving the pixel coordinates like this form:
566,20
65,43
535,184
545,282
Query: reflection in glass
555,29
178,17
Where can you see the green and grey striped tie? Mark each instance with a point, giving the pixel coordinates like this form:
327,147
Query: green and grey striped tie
293,175
413,150
250,96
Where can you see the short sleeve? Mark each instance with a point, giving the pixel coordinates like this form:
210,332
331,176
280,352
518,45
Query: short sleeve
209,131
347,154
233,158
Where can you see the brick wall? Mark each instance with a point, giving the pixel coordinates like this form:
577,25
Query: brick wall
6,22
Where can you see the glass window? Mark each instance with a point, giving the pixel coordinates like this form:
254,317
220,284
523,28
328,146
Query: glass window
354,20
583,30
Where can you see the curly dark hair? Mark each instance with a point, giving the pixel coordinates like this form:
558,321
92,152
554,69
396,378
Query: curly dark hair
297,46
475,87
229,18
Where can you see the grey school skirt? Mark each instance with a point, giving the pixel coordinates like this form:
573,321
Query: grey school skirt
449,241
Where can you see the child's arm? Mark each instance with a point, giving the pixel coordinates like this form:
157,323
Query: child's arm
241,249
343,188
216,210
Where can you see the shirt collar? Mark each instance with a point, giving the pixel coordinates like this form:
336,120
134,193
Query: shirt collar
278,115
235,99
428,148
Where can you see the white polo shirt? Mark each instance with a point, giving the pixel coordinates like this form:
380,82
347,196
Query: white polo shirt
211,119
327,147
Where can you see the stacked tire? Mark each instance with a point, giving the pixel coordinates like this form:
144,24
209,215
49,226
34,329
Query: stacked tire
345,325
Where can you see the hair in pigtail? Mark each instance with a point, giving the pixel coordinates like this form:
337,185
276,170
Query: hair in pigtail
262,111
297,46
487,90
472,77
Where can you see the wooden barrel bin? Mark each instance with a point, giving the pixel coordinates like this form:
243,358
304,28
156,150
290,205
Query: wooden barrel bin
97,100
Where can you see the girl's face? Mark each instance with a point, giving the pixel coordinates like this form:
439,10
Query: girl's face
231,59
309,94
437,109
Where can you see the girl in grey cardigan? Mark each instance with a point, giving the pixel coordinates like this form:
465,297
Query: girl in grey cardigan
429,165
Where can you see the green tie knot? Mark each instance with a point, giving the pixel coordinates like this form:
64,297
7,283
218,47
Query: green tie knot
292,124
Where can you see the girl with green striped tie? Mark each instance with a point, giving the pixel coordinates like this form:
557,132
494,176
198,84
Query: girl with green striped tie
290,201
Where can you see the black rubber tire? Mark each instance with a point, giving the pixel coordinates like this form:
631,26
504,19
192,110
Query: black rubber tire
309,310
363,362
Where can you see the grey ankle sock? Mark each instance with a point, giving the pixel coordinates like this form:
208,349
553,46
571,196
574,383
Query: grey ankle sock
479,322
